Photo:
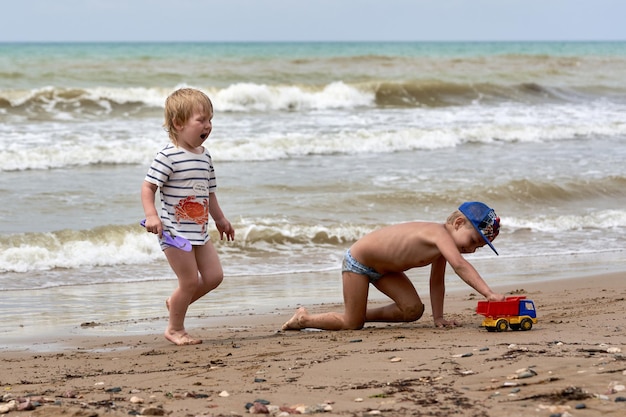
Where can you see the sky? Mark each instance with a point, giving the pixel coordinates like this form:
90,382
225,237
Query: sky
311,20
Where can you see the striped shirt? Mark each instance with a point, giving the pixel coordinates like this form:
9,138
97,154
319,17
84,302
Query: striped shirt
185,180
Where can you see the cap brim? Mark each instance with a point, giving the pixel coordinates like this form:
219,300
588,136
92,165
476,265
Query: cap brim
488,242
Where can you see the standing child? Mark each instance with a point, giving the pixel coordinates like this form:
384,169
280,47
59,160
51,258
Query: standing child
382,257
183,173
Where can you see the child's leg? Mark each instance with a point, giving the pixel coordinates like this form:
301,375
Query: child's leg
186,269
355,291
407,304
210,269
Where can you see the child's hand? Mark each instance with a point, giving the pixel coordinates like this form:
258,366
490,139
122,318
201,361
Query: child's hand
446,323
496,297
225,228
154,225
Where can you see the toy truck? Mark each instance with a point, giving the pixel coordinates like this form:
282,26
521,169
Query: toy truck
518,313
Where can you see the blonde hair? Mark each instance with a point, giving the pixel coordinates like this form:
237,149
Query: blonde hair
457,213
180,106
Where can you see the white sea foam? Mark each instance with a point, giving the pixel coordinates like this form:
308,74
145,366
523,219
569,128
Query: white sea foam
249,97
262,137
601,220
310,246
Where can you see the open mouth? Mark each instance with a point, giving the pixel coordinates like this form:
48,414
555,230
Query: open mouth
204,136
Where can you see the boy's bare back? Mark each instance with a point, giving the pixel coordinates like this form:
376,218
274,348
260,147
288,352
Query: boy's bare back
401,247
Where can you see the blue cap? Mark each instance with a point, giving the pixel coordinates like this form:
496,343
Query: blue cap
484,220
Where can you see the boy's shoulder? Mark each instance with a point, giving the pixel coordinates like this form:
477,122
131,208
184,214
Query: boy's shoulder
417,229
426,231
420,225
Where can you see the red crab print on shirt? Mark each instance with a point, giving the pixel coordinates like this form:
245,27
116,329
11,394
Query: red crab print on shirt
190,209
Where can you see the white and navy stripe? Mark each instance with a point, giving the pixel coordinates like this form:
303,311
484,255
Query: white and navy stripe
180,174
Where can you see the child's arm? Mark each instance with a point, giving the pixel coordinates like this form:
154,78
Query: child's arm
438,292
465,270
221,222
153,221
468,274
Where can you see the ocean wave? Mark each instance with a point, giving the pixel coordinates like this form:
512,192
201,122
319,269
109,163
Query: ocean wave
117,246
107,141
444,94
55,102
62,103
529,192
70,249
122,245
405,193
600,220
72,155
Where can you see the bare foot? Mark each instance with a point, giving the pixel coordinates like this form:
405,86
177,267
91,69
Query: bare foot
294,322
182,339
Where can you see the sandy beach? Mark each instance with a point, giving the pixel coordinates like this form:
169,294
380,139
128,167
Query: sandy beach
572,363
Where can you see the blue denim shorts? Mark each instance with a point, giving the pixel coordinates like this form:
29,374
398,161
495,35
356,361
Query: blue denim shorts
352,265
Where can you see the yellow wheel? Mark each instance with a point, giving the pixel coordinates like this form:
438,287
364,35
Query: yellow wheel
502,325
526,324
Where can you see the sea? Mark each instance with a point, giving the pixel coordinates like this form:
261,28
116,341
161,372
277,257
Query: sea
314,145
